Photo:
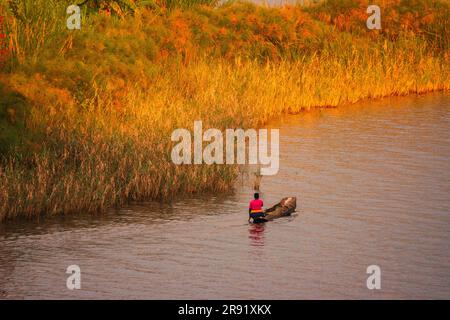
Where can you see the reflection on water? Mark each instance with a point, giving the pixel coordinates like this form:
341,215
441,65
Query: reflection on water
372,183
256,234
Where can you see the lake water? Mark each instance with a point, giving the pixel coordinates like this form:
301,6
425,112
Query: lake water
372,182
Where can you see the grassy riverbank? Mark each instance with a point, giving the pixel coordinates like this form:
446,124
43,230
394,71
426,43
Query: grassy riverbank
86,115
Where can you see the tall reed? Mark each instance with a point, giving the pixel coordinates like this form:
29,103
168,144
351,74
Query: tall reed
86,118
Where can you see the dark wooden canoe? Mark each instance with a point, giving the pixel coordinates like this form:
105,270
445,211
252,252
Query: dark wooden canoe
282,209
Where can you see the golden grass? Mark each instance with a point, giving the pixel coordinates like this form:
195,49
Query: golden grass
110,143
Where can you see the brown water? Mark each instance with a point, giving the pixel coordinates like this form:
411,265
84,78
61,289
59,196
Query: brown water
373,184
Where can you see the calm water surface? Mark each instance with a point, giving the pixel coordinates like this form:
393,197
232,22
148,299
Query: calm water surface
373,187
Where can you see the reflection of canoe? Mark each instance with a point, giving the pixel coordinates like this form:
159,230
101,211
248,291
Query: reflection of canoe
282,209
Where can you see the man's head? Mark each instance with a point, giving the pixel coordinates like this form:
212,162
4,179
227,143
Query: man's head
256,195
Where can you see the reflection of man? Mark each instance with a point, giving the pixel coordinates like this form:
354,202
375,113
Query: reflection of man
255,209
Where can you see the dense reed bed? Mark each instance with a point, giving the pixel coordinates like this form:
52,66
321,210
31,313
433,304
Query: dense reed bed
86,115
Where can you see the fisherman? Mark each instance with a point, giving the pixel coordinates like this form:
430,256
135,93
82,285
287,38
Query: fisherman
255,209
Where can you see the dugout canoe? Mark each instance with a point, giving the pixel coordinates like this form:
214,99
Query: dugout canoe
283,208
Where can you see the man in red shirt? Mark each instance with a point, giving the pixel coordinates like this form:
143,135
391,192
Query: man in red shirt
255,208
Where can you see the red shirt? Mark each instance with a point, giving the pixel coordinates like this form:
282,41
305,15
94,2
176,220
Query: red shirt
256,205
